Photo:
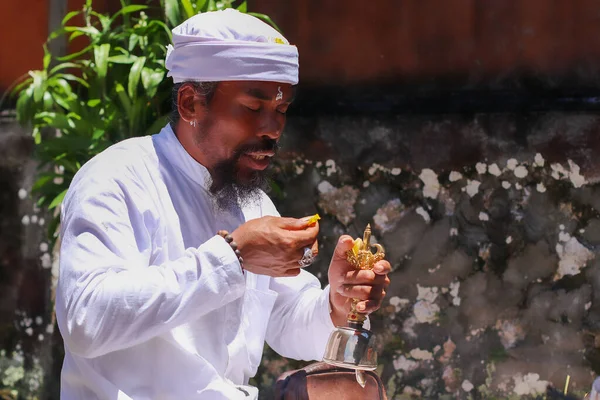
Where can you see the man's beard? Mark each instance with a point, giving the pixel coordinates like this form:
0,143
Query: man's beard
231,187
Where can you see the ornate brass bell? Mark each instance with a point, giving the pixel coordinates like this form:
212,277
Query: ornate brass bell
353,346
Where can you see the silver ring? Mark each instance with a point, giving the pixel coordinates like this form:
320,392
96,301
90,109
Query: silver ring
308,258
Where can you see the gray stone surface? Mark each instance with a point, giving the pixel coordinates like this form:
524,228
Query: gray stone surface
491,223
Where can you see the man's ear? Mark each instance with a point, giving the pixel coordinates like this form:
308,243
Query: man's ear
190,103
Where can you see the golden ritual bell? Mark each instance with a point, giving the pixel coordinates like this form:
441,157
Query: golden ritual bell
352,346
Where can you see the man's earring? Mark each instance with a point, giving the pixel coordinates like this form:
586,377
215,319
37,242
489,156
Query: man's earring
193,123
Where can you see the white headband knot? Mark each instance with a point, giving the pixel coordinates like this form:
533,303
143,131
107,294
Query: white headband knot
230,46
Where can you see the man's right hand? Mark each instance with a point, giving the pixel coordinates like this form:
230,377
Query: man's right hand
274,245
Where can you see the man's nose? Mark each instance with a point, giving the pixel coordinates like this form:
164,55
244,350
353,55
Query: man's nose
271,128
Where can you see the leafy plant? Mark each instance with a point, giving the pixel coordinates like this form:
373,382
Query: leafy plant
110,90
177,11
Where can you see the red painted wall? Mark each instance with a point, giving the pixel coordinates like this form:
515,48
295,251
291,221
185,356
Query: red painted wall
342,42
410,41
22,34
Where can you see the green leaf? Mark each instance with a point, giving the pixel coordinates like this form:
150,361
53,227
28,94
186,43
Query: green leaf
57,200
75,35
66,145
243,7
188,8
56,33
61,101
55,120
136,115
37,135
158,124
162,25
134,77
19,87
125,101
211,6
42,181
88,30
76,54
151,78
200,5
172,12
38,85
69,16
128,10
104,20
101,59
23,107
122,59
61,86
48,101
62,66
98,133
93,102
133,41
265,18
47,57
71,77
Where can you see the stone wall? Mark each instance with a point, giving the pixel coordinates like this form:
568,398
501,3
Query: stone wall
28,339
491,222
492,225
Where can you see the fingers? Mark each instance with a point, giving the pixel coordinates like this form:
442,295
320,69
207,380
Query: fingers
363,292
299,233
368,306
382,267
291,272
293,224
307,236
344,244
365,277
315,248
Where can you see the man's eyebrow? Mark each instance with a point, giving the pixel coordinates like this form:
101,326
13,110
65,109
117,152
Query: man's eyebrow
262,95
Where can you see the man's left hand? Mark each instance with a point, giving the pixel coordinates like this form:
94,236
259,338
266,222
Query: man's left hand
346,284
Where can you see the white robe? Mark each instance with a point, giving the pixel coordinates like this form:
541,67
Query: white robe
151,303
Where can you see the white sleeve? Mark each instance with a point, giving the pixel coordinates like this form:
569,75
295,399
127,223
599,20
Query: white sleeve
300,323
109,296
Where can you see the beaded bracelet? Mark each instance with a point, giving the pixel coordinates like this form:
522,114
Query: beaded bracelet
229,239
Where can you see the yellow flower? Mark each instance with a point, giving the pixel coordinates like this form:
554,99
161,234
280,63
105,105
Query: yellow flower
312,220
358,244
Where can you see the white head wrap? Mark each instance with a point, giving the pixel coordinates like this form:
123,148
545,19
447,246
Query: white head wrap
230,46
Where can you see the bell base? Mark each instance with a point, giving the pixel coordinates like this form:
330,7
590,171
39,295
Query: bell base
342,364
351,348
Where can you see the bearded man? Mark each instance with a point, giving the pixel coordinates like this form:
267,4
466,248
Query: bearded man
175,267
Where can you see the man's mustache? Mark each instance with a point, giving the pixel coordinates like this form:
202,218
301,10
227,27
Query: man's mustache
265,145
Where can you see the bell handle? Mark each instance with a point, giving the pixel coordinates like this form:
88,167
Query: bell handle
379,248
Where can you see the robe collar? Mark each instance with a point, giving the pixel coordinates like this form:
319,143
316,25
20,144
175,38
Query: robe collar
181,159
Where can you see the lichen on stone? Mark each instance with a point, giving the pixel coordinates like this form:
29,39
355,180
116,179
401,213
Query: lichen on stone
529,384
338,202
387,216
431,185
573,257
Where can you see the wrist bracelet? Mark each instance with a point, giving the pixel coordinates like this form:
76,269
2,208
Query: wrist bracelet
229,239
